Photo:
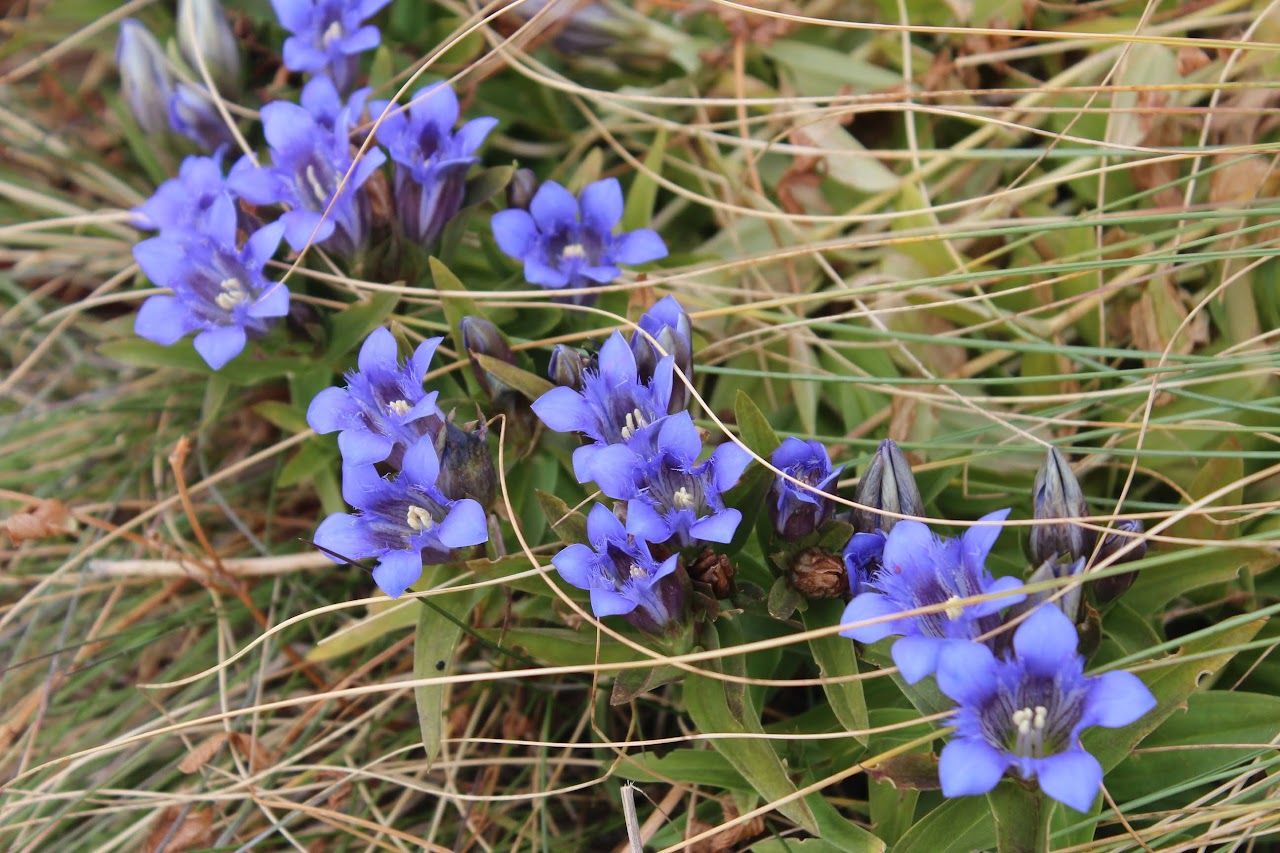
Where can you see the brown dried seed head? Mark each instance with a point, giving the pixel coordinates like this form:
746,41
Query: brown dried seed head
819,574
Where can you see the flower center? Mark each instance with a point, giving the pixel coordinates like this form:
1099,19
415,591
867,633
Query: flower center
637,573
332,34
419,519
953,610
573,250
682,499
317,188
231,293
1029,731
399,407
635,421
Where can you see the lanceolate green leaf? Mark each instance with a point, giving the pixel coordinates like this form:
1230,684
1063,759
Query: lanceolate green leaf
835,656
433,649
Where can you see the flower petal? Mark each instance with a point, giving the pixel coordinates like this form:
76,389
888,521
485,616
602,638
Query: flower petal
910,546
639,247
514,231
603,525
644,522
346,536
967,672
976,542
613,467
274,302
601,203
162,319
563,410
576,564
729,461
161,260
1072,777
220,344
361,447
465,525
397,571
423,354
870,605
717,528
422,465
917,656
378,352
1116,699
608,602
1044,639
331,410
970,766
553,207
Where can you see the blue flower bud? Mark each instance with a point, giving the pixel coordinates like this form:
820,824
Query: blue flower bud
566,366
1110,588
886,484
1057,495
192,114
670,326
205,32
481,336
524,183
796,511
145,79
466,466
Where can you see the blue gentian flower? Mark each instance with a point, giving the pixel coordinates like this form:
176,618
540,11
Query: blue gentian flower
620,573
219,291
670,496
794,510
568,242
181,205
1026,713
431,160
192,114
328,36
862,557
920,570
668,323
612,407
310,160
383,410
145,79
403,523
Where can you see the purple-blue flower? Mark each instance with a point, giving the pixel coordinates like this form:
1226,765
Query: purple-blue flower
145,79
431,160
192,114
403,523
794,510
383,410
310,157
920,570
621,574
219,290
328,36
668,323
1026,713
612,407
568,242
862,557
669,494
181,205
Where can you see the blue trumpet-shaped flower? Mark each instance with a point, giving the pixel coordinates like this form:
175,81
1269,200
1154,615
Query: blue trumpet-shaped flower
181,205
613,406
669,494
431,160
383,410
568,242
668,323
328,36
620,572
311,156
403,523
1026,713
219,290
920,570
797,511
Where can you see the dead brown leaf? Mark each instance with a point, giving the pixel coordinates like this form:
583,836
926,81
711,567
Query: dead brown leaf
40,520
204,753
180,829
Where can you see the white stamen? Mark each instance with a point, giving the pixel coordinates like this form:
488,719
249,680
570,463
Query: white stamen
399,407
1029,725
1038,721
637,573
573,250
953,610
333,32
635,421
419,519
682,499
316,187
232,294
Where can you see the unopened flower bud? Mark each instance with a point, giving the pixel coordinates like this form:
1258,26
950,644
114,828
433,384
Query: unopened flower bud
466,466
145,79
1110,588
887,484
205,32
481,336
192,114
795,511
669,324
566,366
1057,495
1068,602
524,183
577,27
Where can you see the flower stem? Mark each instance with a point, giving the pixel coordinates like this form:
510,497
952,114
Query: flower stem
1022,818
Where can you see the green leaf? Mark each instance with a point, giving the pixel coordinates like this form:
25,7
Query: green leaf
1164,577
1021,818
840,832
354,323
961,825
528,384
282,415
685,767
455,308
756,760
644,189
384,618
632,683
835,656
784,600
559,646
433,650
754,427
312,457
570,525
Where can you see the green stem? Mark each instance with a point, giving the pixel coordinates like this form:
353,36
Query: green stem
1022,818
